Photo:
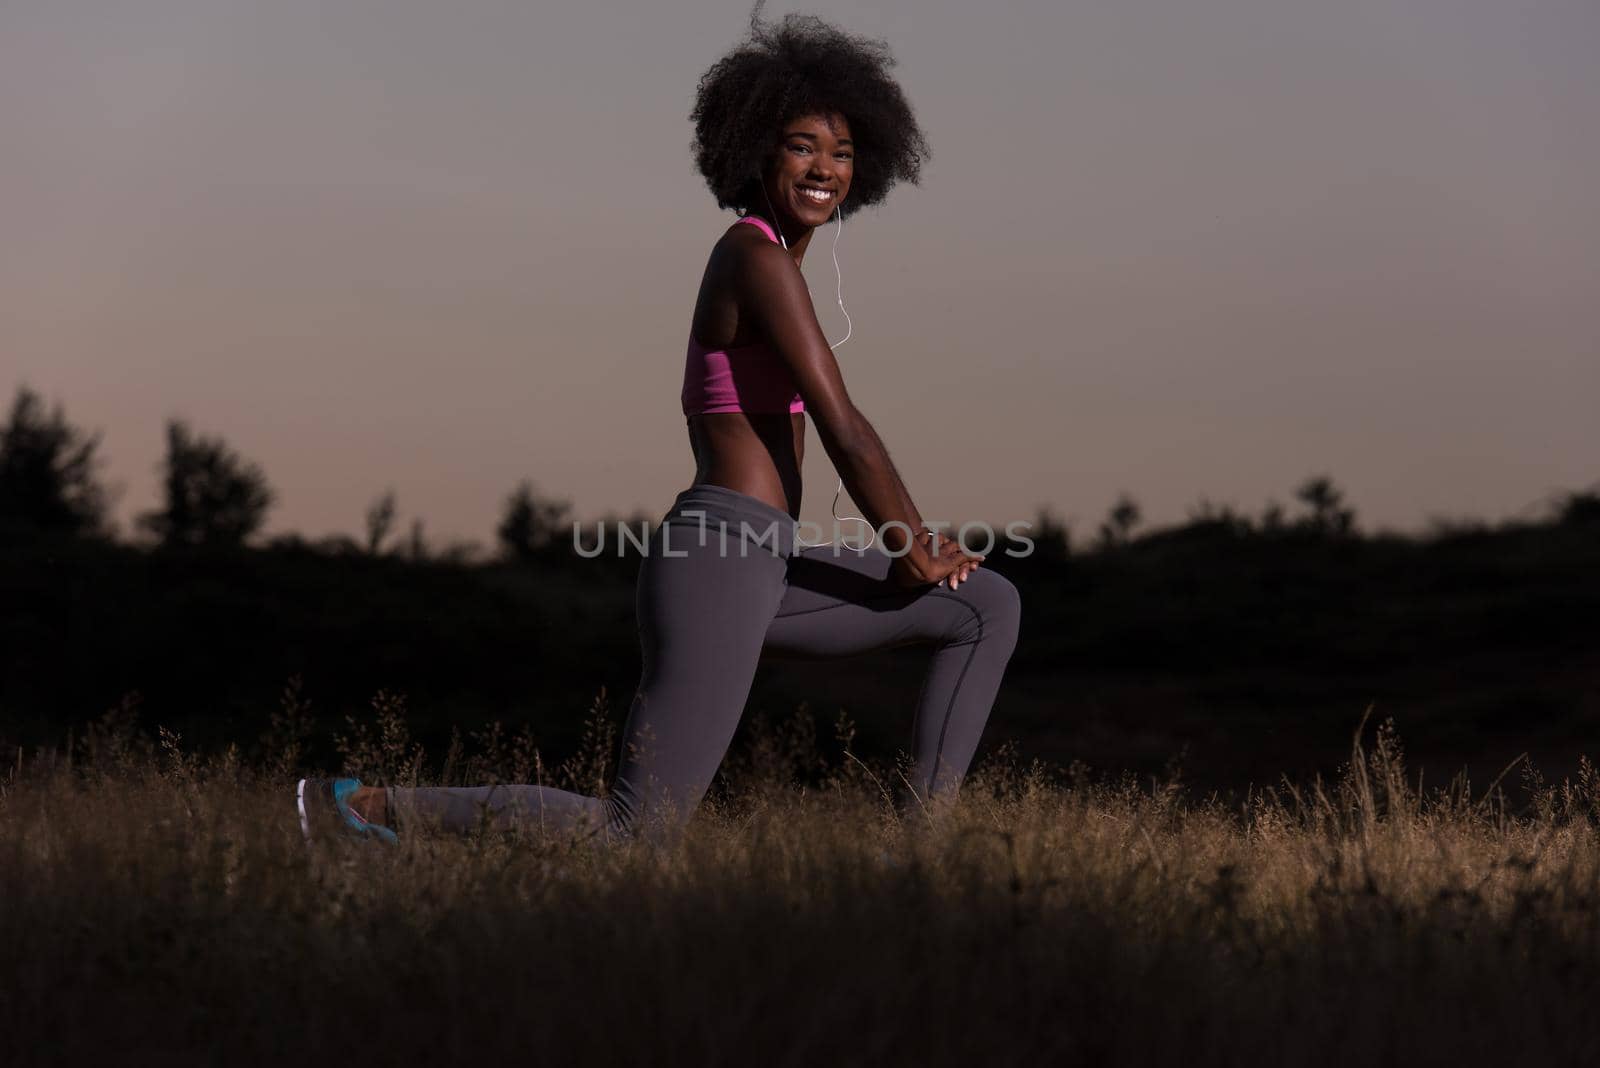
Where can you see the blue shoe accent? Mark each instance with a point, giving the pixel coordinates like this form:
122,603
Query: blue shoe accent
342,789
324,806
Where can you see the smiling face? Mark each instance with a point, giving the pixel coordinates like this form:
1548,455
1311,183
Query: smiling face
811,168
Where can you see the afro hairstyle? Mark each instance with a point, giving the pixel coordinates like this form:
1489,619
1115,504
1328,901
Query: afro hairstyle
802,66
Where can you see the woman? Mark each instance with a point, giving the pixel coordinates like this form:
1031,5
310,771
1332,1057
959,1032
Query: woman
788,127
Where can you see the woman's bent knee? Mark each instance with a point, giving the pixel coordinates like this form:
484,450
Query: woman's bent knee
996,607
1003,602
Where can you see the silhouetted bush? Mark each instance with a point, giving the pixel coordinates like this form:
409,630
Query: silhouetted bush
1051,538
1328,517
1581,509
380,520
530,525
1119,522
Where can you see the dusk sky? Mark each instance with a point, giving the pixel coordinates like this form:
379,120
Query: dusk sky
1182,248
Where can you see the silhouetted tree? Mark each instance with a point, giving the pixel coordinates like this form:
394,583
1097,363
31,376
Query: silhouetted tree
529,525
380,520
1327,516
212,495
47,472
416,545
1119,522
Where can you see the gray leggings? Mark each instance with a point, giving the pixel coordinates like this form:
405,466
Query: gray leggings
723,584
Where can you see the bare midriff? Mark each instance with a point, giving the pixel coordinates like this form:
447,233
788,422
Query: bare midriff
758,454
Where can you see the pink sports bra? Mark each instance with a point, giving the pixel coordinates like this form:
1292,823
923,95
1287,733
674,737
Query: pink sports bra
744,378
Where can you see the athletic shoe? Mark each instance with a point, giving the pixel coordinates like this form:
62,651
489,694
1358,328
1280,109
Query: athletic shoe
325,809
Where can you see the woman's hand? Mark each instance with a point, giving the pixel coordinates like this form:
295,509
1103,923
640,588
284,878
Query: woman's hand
964,563
950,566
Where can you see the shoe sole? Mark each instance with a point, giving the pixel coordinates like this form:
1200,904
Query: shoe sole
300,803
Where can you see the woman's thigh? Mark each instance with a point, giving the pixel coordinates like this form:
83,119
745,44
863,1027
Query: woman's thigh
702,617
840,604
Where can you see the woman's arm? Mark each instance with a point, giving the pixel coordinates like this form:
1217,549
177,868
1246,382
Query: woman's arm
773,294
915,522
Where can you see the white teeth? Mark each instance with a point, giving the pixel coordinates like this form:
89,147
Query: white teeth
817,194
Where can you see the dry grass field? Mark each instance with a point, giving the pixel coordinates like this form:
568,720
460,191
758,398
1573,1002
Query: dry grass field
157,906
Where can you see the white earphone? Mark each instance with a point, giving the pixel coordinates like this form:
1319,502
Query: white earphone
849,329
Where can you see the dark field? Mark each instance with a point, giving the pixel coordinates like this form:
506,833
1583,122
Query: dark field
1170,852
159,906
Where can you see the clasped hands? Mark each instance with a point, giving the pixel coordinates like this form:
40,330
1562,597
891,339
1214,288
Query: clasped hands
951,563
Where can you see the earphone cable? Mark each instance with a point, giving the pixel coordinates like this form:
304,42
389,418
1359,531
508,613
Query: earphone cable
838,277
